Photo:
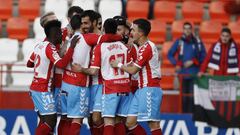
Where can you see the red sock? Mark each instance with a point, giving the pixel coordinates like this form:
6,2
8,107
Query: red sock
66,127
43,129
157,132
138,130
74,129
120,129
61,126
100,129
108,130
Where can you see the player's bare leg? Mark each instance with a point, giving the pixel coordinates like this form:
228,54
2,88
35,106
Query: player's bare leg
155,127
134,127
75,126
98,123
108,125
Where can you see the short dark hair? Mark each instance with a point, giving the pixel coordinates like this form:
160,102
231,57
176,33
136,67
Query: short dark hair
110,26
51,24
143,25
76,22
187,23
226,30
90,13
74,9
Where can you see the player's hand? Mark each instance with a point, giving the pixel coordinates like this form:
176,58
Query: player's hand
76,67
188,63
114,64
74,41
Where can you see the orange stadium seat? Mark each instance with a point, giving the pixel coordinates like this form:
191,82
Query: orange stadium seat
165,11
171,0
217,12
207,46
235,28
166,46
17,28
210,31
29,9
205,1
193,11
137,9
5,9
158,31
167,80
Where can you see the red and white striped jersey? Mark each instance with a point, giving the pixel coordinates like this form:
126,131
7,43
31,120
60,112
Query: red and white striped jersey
114,79
44,57
81,56
148,61
133,50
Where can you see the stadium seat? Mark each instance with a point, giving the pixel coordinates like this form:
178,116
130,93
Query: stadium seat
210,31
84,4
28,46
205,1
217,12
207,46
235,28
193,11
9,50
137,9
158,31
17,28
177,28
6,9
29,9
38,29
165,11
19,72
167,80
110,8
171,0
0,28
59,7
165,47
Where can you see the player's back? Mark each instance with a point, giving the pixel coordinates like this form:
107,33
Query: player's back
115,79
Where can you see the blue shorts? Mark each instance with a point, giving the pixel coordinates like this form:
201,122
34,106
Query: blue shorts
114,104
146,104
43,102
76,100
57,98
95,98
124,105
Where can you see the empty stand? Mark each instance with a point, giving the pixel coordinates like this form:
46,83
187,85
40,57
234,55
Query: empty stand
28,46
165,11
158,31
29,9
22,76
9,50
17,28
217,12
84,4
165,62
193,11
6,9
110,8
137,9
167,80
210,31
235,28
59,7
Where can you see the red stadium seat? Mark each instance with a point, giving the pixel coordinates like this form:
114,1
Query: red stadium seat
217,12
29,9
5,9
193,11
0,28
158,31
210,31
207,46
235,28
165,11
165,62
17,28
137,9
167,80
177,28
171,0
205,1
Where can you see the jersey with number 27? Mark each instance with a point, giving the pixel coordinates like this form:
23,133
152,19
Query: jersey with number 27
114,79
